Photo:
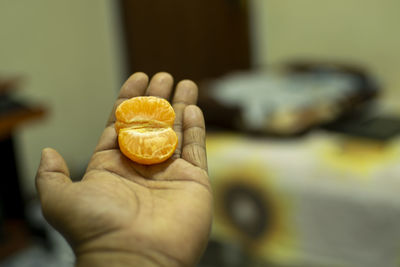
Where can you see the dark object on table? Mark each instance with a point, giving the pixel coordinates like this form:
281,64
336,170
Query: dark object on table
286,101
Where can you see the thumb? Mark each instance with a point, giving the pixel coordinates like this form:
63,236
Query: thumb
52,175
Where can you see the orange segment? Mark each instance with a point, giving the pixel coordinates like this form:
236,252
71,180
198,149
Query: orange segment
148,146
144,127
144,109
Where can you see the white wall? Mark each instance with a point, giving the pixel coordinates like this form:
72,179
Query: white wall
364,32
69,51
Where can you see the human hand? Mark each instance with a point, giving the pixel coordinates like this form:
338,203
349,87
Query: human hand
126,214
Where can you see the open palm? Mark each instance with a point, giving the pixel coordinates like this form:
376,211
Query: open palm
160,214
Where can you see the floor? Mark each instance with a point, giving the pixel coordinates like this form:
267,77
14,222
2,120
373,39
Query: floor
56,253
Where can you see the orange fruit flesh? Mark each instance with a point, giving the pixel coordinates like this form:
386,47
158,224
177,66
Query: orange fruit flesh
144,127
145,109
148,145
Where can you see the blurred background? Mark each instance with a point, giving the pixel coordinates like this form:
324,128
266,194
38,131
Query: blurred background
301,105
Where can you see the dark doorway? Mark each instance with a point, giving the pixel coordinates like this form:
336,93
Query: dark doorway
194,39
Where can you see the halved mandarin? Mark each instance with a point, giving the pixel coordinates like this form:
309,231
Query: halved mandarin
144,128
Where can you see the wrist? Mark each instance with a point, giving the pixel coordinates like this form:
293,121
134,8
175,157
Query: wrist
121,259
121,248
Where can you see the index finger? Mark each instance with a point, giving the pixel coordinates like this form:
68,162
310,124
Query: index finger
135,86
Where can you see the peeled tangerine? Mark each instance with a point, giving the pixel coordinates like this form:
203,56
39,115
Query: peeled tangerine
144,128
